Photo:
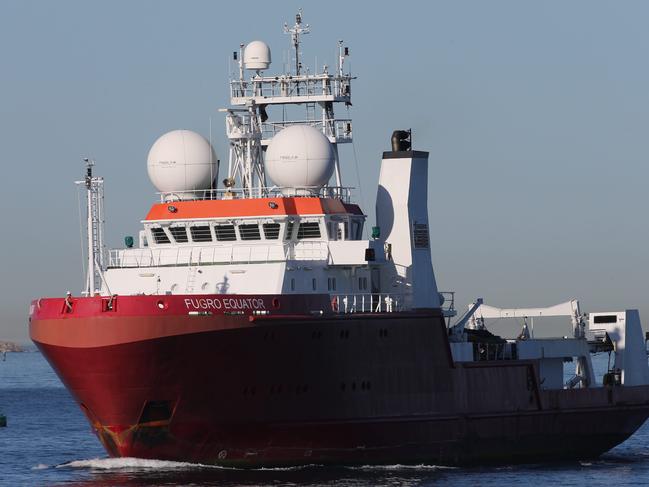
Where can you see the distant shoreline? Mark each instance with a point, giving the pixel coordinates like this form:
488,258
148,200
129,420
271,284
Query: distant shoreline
10,347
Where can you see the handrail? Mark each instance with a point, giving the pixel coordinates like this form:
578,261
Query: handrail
343,193
230,254
289,86
369,303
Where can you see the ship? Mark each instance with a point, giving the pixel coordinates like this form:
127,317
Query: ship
260,321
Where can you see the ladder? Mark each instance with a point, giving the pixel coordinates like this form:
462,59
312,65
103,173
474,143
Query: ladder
311,112
192,270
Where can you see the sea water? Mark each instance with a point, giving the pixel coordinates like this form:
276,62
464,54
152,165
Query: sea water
48,442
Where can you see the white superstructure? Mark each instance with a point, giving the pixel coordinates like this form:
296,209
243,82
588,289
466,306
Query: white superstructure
282,221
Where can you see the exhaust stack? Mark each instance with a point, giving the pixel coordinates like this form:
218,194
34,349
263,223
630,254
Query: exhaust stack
402,216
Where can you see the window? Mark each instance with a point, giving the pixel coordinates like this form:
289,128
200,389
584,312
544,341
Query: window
225,233
179,234
605,319
271,231
249,231
289,231
292,284
308,230
362,283
331,230
314,283
201,233
357,229
331,284
160,236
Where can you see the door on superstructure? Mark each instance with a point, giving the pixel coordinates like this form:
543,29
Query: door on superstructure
375,277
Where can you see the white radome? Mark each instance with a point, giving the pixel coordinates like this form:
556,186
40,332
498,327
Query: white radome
182,161
256,55
300,157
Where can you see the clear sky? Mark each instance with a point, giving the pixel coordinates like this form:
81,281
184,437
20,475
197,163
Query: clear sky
535,115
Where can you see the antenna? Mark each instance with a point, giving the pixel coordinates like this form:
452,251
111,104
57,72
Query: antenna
296,31
95,227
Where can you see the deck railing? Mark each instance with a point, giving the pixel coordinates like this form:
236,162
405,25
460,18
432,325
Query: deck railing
344,193
230,254
369,303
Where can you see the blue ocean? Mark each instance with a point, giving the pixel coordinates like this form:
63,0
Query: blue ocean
48,442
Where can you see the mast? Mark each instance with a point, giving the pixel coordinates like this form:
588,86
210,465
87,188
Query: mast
95,228
296,31
249,128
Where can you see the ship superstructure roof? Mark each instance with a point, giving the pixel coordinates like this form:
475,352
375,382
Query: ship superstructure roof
253,207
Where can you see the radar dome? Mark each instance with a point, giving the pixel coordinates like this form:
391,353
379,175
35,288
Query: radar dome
256,56
182,161
300,157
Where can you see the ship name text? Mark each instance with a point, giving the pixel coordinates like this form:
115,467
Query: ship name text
225,303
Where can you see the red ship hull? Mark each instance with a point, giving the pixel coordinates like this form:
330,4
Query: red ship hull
273,381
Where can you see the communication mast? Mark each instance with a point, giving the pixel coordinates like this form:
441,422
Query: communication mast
248,125
296,31
95,229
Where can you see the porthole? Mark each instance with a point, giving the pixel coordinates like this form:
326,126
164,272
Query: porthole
162,304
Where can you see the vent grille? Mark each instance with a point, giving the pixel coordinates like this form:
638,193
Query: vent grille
420,235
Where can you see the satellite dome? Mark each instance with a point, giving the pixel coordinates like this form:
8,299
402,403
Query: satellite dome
182,161
256,56
300,156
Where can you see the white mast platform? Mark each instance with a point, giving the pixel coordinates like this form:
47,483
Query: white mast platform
248,127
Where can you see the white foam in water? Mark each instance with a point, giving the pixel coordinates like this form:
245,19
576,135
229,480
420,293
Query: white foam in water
145,464
130,464
397,467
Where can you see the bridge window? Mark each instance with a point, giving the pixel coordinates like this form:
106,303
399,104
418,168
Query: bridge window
308,230
179,234
201,233
160,236
249,231
271,231
357,229
225,233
